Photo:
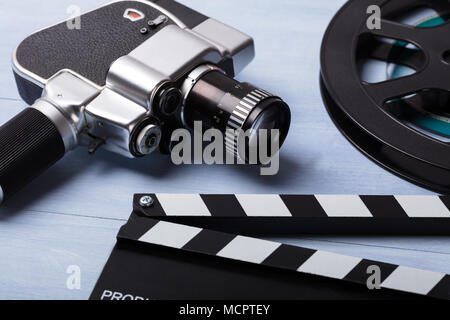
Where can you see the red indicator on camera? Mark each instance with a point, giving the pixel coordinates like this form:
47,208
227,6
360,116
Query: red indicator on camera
133,15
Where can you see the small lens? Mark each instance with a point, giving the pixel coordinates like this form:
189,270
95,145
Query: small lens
170,99
221,102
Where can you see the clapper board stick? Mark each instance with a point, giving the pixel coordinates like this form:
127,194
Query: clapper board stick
191,274
165,260
273,214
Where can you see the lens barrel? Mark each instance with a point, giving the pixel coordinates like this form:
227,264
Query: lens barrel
221,102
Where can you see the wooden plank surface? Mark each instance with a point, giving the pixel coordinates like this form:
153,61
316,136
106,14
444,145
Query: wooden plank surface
70,215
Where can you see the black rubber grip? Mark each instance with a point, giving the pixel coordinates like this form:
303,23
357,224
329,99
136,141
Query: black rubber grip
29,144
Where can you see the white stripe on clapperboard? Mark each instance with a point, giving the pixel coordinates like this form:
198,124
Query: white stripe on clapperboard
248,249
321,263
412,280
328,264
423,206
260,205
343,206
183,205
170,234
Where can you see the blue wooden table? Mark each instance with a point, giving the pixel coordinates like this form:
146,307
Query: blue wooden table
71,215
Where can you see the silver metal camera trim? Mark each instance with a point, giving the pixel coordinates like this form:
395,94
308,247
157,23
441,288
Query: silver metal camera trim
196,75
190,82
62,101
135,80
66,130
112,118
233,42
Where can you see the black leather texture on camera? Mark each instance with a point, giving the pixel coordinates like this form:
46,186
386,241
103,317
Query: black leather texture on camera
105,35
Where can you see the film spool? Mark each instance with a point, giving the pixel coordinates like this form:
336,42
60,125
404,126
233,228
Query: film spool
367,112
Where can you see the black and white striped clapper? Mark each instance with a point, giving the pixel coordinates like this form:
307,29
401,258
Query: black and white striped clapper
313,214
159,259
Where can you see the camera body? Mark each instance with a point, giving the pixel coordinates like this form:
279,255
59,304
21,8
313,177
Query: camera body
124,80
118,65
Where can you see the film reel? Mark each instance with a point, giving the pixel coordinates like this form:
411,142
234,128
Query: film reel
400,120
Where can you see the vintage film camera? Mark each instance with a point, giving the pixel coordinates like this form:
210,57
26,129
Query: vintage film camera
132,73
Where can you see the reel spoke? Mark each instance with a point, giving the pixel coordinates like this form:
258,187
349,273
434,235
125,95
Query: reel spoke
398,31
381,92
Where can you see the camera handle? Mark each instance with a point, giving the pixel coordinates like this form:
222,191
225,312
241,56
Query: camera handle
39,136
29,144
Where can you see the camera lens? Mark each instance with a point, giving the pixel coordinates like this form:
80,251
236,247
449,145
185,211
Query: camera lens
169,100
221,102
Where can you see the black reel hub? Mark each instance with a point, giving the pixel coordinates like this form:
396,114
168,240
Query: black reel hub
373,115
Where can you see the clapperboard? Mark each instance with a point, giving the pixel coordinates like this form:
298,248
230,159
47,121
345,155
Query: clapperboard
184,247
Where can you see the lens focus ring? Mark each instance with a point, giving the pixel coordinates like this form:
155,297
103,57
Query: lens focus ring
240,115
